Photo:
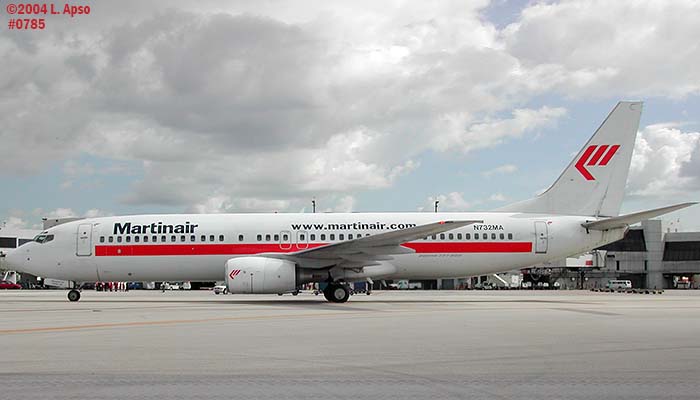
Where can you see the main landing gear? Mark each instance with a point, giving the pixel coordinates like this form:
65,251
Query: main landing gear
74,295
337,292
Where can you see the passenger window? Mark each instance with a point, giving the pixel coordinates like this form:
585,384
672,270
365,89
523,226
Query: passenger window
137,239
163,239
434,237
221,238
510,236
502,236
493,236
145,239
268,237
240,238
211,238
341,237
451,236
349,236
442,236
193,238
323,236
119,239
332,236
313,236
277,238
467,236
476,236
182,238
285,237
154,239
111,239
128,239
102,239
259,237
203,238
173,238
459,236
302,237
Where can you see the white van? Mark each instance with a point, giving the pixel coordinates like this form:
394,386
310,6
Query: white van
619,284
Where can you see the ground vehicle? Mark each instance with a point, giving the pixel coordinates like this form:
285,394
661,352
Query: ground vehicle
220,289
9,285
619,284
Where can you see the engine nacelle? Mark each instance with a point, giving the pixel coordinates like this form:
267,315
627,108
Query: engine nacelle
260,275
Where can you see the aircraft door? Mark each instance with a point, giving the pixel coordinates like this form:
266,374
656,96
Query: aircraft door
541,237
84,240
285,240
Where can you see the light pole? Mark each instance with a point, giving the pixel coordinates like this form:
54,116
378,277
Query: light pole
313,205
436,204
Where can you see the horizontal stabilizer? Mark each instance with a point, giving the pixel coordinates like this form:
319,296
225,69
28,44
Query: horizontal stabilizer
629,219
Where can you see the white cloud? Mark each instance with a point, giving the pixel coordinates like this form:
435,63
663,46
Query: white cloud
15,223
602,48
224,203
497,197
660,153
461,134
61,213
345,204
500,170
95,212
260,106
453,201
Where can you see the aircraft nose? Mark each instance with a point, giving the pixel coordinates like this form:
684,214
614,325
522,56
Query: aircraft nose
13,260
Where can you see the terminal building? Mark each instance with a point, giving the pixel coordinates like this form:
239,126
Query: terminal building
652,258
649,256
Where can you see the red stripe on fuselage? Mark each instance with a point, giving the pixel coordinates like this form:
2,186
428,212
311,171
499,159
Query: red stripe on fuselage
254,248
470,247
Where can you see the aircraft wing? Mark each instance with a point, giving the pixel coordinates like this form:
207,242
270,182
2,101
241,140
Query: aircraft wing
369,249
629,219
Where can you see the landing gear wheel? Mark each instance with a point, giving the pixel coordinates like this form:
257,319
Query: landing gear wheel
74,295
337,293
295,293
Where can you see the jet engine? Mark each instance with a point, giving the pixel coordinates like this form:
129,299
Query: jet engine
260,275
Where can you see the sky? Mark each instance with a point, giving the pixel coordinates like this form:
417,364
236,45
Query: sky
262,106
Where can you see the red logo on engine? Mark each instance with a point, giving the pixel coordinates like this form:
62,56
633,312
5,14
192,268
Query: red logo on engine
595,155
234,273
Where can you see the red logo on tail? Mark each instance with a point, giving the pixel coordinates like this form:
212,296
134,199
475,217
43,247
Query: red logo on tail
599,157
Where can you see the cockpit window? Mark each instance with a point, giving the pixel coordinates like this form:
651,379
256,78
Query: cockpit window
43,238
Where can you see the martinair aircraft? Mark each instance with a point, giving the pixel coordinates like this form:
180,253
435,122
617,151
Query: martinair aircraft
276,253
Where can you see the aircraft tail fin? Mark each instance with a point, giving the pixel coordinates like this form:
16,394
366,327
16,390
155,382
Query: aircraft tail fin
594,182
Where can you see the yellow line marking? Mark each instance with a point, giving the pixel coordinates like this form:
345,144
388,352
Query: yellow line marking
164,322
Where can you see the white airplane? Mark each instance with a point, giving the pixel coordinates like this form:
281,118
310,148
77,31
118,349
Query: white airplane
276,253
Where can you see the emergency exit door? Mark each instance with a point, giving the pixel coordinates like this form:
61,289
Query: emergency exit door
541,237
84,238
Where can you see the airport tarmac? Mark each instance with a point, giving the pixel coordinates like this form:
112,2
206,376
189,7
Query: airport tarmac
408,345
